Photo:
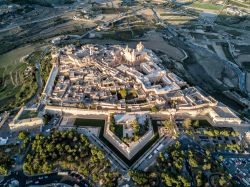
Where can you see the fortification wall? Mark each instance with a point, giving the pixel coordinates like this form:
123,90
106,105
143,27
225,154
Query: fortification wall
127,151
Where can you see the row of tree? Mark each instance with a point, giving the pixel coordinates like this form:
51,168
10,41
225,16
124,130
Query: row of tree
142,178
5,163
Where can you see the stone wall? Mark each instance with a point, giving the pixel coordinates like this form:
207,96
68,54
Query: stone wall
51,79
184,111
26,123
207,113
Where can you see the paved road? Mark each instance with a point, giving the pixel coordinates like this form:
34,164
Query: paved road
150,158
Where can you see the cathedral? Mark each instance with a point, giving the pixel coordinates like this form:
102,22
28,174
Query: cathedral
133,56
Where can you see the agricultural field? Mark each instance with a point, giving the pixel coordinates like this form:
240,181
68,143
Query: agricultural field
19,76
17,84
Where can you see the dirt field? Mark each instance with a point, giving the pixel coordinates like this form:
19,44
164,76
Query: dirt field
210,62
154,40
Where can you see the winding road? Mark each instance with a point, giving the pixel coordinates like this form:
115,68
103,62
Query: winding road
39,80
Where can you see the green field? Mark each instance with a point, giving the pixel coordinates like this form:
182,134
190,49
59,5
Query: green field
12,78
28,114
18,76
208,6
17,86
89,122
119,131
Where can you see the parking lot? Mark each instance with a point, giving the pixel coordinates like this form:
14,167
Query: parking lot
239,167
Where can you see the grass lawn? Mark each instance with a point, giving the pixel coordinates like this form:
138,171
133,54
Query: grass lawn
119,131
89,122
203,124
28,114
227,53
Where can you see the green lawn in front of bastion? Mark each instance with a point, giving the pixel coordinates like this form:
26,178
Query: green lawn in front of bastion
89,122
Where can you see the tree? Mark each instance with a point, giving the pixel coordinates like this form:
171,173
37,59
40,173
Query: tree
187,123
71,151
81,105
23,135
206,166
3,170
139,177
167,180
216,132
123,93
221,158
169,125
222,181
50,147
184,181
136,127
100,155
225,133
178,163
198,178
133,92
208,132
208,153
196,124
112,123
193,162
154,109
46,168
5,163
